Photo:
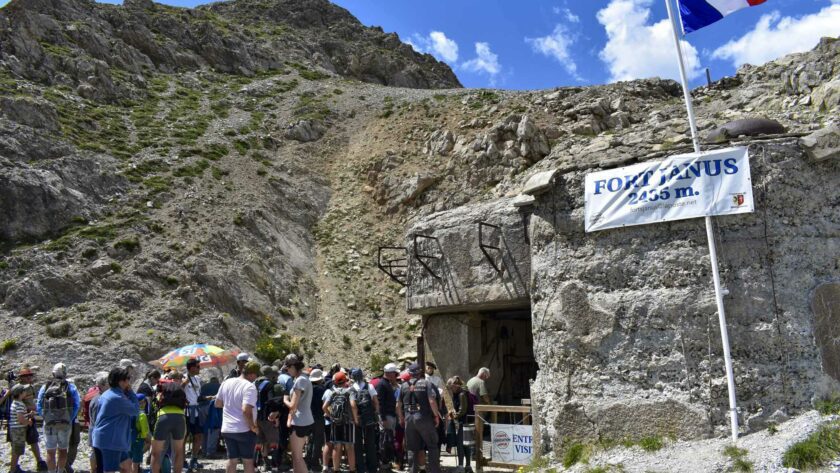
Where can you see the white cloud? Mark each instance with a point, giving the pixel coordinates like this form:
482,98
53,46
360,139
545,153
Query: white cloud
774,36
436,44
570,16
636,49
486,61
556,46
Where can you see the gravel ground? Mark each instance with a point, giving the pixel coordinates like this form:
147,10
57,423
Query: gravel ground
764,451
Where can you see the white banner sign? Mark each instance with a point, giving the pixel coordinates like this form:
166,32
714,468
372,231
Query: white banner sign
511,443
685,186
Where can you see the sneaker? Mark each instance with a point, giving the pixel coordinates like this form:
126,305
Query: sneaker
42,466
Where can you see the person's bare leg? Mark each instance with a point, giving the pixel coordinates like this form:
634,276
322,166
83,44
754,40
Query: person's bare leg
197,442
178,461
326,454
15,459
92,462
62,460
351,457
337,457
157,455
36,452
231,465
248,465
51,460
296,443
125,467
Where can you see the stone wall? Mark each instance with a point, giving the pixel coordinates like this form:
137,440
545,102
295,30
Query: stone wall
625,325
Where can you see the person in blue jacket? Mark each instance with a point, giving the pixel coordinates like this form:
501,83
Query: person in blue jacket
118,411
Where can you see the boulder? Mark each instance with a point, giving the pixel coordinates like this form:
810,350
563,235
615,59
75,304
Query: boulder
827,96
823,144
305,131
746,127
441,142
34,113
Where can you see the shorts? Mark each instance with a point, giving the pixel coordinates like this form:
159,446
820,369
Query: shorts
17,437
269,433
195,427
302,431
342,434
240,445
111,459
57,437
172,426
137,450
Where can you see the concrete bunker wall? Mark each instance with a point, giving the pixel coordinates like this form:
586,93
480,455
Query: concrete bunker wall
624,320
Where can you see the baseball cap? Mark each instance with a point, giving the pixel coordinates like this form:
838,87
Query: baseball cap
140,397
405,376
316,375
25,372
414,369
339,378
357,374
252,368
243,357
391,368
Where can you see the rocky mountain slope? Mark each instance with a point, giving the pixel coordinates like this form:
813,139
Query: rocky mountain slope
226,174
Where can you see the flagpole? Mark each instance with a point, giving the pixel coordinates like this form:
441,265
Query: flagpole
724,335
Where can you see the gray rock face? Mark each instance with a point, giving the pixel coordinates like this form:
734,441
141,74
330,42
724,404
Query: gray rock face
305,131
39,202
823,144
746,127
89,39
30,113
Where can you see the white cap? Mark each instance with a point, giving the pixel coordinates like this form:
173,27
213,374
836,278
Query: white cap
59,371
316,375
243,357
391,368
126,363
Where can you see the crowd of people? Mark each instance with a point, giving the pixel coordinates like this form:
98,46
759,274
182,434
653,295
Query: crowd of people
278,417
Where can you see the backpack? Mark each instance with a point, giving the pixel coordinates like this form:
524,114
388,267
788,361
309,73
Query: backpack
269,397
365,403
340,410
88,399
172,394
472,400
56,403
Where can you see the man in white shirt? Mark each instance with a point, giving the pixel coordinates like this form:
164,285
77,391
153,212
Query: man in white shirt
431,376
237,398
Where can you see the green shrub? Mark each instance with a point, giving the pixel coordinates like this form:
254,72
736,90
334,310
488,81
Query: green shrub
241,146
171,280
378,361
270,348
218,173
157,184
828,406
59,329
4,264
196,170
576,453
239,220
116,267
817,450
346,341
8,345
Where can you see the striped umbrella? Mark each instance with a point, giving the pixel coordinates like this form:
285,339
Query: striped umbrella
207,355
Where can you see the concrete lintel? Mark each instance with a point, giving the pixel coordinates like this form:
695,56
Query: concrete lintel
539,182
523,200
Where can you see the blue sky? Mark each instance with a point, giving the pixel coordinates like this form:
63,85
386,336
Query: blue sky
531,44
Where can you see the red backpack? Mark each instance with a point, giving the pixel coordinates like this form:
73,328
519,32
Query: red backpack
86,401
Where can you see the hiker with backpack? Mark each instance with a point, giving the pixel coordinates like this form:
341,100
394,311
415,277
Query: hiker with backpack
58,404
367,430
26,377
417,408
20,418
117,411
194,417
315,448
171,424
340,406
269,406
300,411
141,440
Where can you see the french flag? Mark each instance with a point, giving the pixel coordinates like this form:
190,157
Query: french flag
696,14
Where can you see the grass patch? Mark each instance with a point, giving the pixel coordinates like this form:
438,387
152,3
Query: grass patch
828,406
651,444
239,220
218,173
138,172
346,341
738,456
576,453
241,146
816,451
311,107
116,267
270,348
157,184
307,73
196,170
171,280
128,244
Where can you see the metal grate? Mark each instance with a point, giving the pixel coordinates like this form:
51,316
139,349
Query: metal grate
395,268
485,247
422,258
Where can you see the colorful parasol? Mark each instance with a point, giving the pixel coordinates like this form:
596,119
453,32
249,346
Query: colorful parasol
207,355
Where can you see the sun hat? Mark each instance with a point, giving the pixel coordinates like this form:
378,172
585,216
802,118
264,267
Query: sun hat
316,375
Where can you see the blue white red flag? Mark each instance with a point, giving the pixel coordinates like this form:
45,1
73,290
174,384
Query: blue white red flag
696,14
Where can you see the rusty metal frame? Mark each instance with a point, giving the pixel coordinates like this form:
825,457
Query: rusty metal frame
484,247
389,265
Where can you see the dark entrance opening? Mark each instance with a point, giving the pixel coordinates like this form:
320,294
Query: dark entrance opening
507,349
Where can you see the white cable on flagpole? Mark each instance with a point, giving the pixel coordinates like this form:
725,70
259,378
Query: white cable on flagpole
724,335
